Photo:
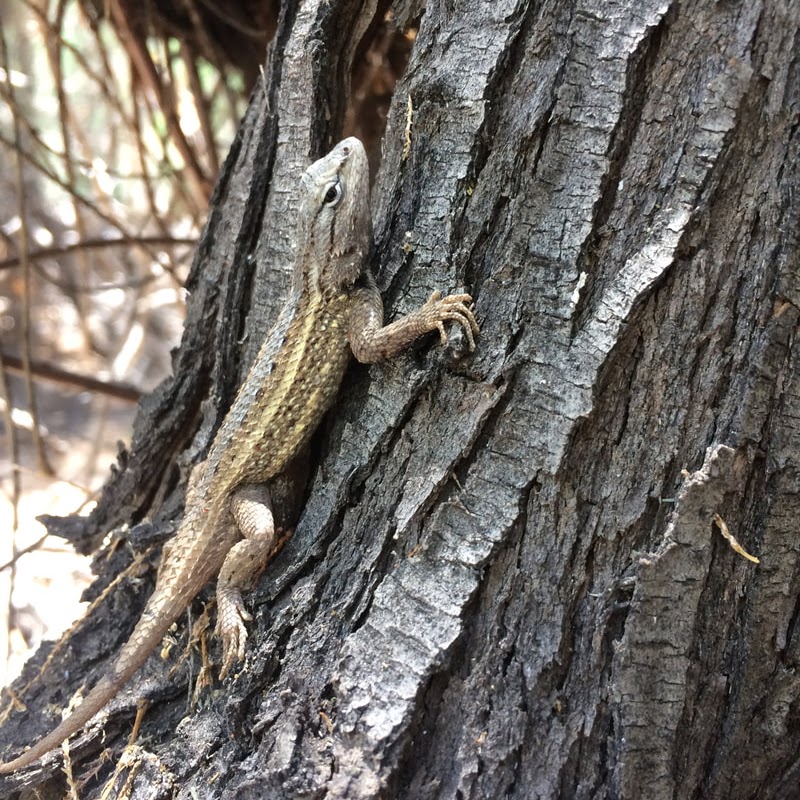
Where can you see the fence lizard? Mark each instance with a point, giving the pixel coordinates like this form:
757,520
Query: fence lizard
334,308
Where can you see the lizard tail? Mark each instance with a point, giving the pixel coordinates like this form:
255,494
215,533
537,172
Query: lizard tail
95,700
134,653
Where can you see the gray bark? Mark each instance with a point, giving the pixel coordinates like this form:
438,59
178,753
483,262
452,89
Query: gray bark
507,581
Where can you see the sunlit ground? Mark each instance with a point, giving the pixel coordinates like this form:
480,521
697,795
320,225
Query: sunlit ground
40,596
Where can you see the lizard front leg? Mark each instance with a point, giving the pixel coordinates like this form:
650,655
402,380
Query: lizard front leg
371,341
251,506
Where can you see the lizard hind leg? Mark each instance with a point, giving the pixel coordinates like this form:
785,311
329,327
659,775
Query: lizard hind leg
251,506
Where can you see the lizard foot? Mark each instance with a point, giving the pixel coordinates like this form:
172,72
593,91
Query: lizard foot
231,628
454,308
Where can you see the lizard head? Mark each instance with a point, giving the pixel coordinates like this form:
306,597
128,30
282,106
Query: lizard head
336,209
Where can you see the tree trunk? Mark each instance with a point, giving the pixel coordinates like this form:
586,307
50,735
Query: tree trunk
509,579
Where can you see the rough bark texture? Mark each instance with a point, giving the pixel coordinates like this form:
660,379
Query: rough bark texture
507,581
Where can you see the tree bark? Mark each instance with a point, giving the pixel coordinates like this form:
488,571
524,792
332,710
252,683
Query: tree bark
507,580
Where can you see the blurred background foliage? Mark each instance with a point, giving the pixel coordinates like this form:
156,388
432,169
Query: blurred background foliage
114,119
115,116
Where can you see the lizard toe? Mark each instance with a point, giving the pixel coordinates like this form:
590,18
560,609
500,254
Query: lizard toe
232,629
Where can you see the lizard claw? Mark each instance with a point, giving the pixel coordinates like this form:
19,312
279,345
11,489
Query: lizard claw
231,628
453,308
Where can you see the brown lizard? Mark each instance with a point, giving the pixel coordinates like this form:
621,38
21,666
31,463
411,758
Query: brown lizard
334,308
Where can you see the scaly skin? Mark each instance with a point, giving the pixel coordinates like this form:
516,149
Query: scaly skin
334,308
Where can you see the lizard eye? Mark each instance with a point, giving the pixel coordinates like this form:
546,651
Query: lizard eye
333,195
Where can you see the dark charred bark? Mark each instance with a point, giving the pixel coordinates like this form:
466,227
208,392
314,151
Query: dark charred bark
507,581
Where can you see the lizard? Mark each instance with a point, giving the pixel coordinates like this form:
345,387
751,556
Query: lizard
334,309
